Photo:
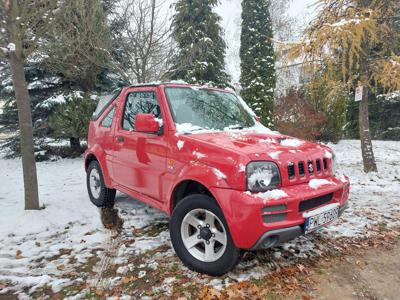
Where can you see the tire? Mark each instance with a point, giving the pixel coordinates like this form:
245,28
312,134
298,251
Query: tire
221,258
101,196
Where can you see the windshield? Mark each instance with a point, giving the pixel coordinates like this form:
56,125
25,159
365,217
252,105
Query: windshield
203,109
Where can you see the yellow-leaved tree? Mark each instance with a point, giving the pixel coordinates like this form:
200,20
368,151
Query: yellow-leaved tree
355,42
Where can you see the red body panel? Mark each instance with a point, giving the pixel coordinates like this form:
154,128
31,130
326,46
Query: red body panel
149,167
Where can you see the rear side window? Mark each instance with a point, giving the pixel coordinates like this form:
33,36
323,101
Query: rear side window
104,102
139,103
107,121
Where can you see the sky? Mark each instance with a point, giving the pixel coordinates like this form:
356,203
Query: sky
302,8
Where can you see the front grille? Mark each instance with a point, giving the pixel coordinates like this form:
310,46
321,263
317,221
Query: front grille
274,213
325,164
291,171
318,163
315,202
301,169
311,167
274,218
274,208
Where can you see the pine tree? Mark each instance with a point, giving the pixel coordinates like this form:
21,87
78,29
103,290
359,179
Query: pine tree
71,118
258,58
201,48
79,43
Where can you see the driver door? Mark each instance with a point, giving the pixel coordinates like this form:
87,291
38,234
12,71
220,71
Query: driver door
140,158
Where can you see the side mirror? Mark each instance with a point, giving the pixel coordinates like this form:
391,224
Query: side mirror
146,123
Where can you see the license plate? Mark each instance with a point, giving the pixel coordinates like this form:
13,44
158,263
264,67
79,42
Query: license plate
320,217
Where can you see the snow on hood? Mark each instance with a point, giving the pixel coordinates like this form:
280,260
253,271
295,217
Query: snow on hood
258,142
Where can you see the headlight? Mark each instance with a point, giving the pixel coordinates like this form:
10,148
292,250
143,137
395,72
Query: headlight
262,176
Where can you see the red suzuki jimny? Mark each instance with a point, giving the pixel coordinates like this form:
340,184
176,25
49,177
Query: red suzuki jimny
200,155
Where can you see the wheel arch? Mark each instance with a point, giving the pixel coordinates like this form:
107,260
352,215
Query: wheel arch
198,177
88,159
185,188
98,154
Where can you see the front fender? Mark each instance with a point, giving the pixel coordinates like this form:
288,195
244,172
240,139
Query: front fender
207,176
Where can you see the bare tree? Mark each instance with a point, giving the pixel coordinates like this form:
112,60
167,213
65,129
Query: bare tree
25,23
144,39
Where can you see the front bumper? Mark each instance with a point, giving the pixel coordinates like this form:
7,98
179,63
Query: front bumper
279,236
245,212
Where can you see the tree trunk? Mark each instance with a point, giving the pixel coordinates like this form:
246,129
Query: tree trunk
75,144
26,132
365,135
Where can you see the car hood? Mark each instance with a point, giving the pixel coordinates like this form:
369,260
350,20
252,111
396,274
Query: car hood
261,146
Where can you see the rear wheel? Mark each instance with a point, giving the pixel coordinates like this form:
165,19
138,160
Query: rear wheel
201,237
99,194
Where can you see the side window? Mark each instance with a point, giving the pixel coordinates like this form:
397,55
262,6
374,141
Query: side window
139,103
107,121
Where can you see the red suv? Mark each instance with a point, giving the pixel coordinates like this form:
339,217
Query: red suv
200,155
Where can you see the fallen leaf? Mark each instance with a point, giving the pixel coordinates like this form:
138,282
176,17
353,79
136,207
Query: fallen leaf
301,267
128,279
18,254
99,292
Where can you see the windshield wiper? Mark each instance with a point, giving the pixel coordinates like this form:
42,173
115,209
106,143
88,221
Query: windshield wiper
235,127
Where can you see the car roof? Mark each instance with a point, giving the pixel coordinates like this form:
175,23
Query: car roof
180,84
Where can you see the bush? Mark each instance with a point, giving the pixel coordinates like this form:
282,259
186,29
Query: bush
70,120
295,115
330,98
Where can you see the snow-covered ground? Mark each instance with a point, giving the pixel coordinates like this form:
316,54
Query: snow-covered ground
64,247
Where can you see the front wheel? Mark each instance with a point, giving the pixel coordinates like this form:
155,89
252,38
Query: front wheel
200,236
99,194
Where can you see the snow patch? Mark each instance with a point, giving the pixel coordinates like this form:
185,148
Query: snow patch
274,155
160,121
316,183
291,142
328,154
11,47
199,155
188,128
272,194
180,144
219,174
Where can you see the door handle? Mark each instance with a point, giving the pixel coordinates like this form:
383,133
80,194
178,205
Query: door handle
120,139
